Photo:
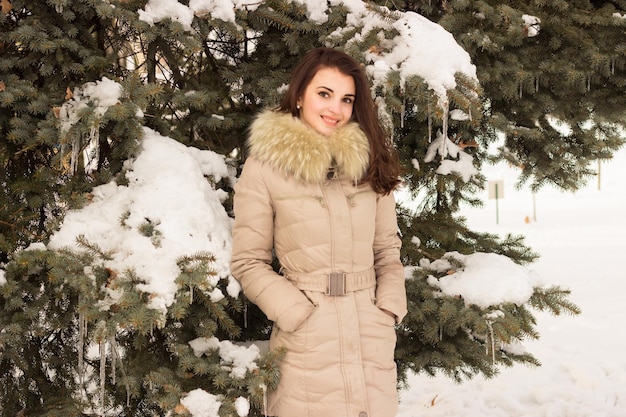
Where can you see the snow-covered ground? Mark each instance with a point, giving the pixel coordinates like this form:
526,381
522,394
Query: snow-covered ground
581,238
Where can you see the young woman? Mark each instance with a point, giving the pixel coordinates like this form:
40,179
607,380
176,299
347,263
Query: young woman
316,192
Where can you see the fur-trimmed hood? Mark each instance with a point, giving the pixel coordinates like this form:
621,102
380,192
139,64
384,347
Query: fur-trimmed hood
295,149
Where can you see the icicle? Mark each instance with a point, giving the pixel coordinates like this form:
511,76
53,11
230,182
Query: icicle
245,314
520,89
430,126
116,359
113,344
588,82
75,153
444,127
612,66
103,359
92,151
403,111
440,332
493,343
81,344
536,83
190,294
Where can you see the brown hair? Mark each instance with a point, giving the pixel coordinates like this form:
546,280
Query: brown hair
384,169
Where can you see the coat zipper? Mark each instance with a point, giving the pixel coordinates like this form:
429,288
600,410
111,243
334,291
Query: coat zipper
330,222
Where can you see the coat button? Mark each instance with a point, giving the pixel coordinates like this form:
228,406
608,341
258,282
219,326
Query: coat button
362,414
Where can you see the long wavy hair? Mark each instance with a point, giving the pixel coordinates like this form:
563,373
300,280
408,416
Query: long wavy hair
383,173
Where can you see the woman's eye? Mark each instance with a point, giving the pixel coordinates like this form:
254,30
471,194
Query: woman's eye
324,94
348,100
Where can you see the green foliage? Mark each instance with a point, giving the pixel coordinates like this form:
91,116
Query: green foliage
59,310
445,334
47,50
72,324
557,97
39,336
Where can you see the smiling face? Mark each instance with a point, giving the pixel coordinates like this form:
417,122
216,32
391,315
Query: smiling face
328,100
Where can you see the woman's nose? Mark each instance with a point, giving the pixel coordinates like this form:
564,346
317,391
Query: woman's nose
335,106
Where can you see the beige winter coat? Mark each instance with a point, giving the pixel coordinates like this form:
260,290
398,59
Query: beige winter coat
289,199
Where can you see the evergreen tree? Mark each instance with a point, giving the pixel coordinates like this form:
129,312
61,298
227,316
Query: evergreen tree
200,81
554,80
553,87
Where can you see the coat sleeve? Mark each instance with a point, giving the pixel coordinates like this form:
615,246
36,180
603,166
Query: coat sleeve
253,238
390,280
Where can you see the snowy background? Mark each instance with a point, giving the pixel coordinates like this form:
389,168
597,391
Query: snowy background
581,238
171,190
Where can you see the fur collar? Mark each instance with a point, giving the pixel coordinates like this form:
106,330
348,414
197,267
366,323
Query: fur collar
294,149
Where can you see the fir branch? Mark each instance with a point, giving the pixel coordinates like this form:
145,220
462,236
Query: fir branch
93,248
555,300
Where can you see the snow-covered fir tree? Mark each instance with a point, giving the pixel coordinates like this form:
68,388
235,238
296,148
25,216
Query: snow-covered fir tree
118,116
553,73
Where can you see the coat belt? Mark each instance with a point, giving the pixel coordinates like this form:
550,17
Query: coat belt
334,283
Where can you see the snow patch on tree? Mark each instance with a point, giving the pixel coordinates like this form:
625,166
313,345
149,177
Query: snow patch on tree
170,208
90,101
201,404
477,284
453,160
239,359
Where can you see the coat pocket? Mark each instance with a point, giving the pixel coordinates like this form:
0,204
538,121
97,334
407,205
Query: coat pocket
293,341
391,321
378,333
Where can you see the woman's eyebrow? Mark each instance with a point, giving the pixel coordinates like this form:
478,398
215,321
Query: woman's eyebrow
332,91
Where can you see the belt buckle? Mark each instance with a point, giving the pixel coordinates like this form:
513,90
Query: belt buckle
336,284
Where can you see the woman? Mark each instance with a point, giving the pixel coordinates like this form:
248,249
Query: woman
316,191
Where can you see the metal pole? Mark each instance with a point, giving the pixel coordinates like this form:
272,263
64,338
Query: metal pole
497,211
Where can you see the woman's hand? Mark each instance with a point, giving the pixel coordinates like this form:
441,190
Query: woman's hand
389,313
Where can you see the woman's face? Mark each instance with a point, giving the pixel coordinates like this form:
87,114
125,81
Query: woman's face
328,100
